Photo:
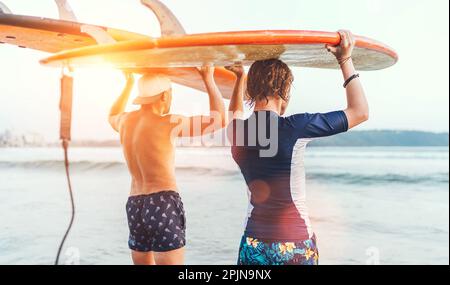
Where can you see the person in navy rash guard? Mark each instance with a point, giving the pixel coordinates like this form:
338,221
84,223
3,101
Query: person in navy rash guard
269,150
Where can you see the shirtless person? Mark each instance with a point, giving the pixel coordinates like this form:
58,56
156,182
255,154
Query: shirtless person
155,212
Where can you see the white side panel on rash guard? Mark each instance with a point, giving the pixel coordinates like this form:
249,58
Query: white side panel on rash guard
250,208
298,182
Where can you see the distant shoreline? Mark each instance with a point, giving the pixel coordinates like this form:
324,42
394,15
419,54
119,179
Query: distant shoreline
75,145
351,139
386,139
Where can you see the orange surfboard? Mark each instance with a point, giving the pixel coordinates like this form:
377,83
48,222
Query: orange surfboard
176,53
296,48
52,36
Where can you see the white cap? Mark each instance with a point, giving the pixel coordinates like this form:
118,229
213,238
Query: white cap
150,87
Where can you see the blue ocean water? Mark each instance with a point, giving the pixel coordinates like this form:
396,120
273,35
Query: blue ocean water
368,205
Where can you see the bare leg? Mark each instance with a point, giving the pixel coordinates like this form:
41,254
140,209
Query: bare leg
174,257
143,258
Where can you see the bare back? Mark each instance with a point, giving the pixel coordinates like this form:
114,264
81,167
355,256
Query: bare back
149,151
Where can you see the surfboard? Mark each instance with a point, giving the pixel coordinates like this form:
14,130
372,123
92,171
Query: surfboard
52,36
296,48
176,54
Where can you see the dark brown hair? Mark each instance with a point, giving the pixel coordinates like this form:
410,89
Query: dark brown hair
268,78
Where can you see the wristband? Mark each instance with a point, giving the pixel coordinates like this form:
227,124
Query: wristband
347,82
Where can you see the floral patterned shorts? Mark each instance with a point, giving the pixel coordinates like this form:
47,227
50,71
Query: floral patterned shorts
256,252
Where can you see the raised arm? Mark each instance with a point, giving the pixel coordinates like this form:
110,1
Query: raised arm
201,125
357,106
236,108
118,109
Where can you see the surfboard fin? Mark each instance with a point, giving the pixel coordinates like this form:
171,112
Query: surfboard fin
65,11
170,26
98,34
4,9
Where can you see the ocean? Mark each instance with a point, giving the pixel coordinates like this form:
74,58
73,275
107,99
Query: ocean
380,205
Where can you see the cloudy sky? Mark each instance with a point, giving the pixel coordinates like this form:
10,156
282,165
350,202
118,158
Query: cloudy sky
413,95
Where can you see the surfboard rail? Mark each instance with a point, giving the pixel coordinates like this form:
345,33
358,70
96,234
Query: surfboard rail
240,38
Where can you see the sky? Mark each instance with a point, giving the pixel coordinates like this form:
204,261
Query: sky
412,95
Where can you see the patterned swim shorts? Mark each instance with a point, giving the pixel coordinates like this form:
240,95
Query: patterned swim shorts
157,222
256,252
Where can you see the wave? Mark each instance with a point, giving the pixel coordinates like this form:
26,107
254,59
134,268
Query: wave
205,171
372,179
58,164
379,156
312,176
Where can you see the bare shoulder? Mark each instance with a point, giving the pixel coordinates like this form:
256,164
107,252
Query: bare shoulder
126,116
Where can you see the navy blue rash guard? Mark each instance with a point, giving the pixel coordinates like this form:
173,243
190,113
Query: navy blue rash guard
277,192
